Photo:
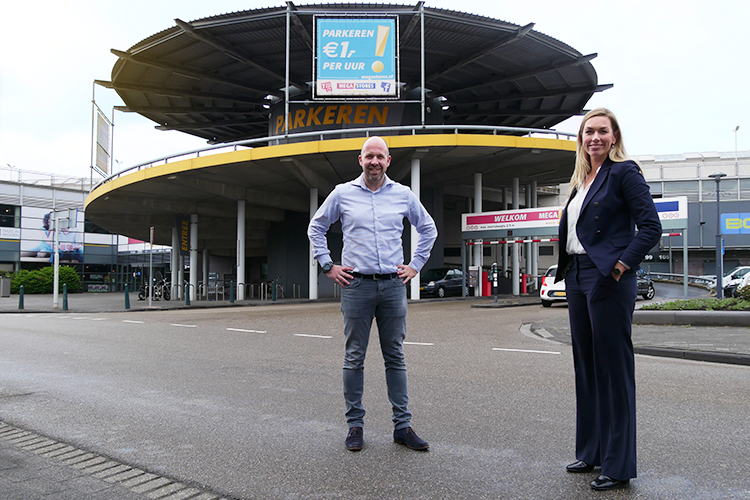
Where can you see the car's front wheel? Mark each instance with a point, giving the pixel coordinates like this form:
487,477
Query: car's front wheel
650,293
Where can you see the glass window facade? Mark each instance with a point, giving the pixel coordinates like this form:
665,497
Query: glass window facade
728,190
682,188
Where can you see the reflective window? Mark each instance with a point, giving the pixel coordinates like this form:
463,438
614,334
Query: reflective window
728,189
682,188
745,189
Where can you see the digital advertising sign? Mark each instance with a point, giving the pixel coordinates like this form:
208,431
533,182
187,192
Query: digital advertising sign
356,57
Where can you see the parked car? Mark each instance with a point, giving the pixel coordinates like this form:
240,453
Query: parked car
732,278
441,281
731,290
551,291
645,285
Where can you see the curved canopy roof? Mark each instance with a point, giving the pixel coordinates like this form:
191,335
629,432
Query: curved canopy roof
213,77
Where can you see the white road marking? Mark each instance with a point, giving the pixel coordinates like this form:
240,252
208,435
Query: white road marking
186,326
419,343
246,331
313,336
132,321
524,350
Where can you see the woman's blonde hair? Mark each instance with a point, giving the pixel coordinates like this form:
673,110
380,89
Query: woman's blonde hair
583,160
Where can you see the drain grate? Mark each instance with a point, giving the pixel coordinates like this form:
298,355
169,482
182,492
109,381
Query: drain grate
153,486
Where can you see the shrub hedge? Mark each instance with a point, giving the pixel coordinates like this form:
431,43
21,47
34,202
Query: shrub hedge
42,280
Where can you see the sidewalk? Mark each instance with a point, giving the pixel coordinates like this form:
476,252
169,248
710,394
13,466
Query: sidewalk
717,344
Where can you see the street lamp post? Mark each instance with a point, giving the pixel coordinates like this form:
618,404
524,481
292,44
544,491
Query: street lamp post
719,257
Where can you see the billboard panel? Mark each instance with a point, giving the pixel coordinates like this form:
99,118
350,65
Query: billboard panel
355,57
103,142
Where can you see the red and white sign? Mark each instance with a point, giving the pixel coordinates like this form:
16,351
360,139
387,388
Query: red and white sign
528,218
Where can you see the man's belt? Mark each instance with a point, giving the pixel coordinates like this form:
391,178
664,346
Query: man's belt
376,277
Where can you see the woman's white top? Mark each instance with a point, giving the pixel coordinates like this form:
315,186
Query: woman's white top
574,245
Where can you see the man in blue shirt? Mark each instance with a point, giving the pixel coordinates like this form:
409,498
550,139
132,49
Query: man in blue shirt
373,277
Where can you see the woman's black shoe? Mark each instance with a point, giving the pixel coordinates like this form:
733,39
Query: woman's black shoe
603,482
579,466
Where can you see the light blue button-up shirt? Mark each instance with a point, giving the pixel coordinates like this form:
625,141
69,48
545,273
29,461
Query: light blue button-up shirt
372,223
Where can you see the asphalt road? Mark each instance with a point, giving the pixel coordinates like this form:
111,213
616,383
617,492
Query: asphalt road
247,401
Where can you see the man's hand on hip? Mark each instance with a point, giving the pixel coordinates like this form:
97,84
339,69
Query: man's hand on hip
406,273
340,274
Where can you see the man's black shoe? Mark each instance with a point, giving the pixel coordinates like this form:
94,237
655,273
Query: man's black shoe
354,439
579,466
409,438
603,483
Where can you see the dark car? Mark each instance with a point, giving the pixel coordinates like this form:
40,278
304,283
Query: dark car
645,285
441,281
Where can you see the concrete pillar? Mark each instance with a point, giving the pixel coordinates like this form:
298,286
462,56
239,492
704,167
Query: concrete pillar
204,254
504,248
535,246
529,254
181,264
515,255
478,248
416,189
241,286
193,255
174,264
313,267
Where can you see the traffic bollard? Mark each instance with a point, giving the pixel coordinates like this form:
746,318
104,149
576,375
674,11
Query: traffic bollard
127,297
231,292
20,297
65,296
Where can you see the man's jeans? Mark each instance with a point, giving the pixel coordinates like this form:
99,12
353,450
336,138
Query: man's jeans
384,300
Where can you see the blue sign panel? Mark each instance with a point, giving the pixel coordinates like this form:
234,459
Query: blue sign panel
735,223
355,57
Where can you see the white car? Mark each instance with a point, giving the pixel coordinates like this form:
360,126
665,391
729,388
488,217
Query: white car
731,291
732,278
551,291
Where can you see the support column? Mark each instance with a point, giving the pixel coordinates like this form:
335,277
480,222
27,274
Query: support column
516,274
416,189
535,246
506,204
193,255
204,254
528,246
312,276
174,264
181,278
478,248
241,286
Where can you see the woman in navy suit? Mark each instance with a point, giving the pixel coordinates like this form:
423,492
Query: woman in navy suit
599,254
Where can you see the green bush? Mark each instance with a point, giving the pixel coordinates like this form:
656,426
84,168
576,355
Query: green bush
744,293
42,280
733,304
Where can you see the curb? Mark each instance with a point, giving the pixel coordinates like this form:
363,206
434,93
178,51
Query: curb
701,318
712,357
664,352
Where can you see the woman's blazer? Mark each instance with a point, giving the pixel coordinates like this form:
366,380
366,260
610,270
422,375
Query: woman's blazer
618,200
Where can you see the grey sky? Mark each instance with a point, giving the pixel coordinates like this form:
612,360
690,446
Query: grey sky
678,68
